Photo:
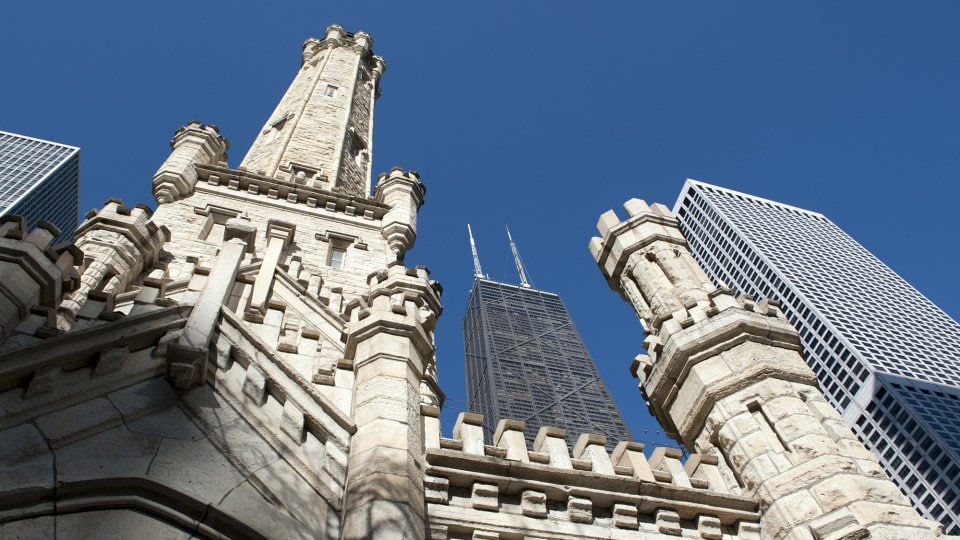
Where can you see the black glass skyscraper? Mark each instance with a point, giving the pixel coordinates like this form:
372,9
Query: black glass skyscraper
526,361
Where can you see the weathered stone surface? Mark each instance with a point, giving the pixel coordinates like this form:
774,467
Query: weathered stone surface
116,524
533,503
196,468
580,510
485,496
74,423
115,452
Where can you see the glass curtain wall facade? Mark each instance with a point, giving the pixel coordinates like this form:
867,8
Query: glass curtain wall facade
40,180
526,361
885,355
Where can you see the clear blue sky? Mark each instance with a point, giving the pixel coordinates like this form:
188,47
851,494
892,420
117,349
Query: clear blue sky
541,116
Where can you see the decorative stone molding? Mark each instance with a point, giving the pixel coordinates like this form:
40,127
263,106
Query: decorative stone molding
480,481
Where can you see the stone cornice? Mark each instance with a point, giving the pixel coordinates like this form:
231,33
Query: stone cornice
267,187
713,336
706,340
463,469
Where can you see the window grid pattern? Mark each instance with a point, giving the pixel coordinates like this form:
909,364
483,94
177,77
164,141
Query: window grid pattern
856,317
39,180
926,471
525,360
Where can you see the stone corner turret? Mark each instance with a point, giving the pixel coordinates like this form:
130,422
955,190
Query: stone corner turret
33,275
726,374
192,144
404,194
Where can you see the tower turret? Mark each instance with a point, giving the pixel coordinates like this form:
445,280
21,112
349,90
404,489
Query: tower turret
321,131
118,243
192,144
403,193
725,374
31,273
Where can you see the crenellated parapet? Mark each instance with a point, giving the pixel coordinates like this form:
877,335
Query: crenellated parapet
726,375
118,243
511,489
192,144
403,193
33,275
336,36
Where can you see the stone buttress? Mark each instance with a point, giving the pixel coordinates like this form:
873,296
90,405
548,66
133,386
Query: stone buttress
726,376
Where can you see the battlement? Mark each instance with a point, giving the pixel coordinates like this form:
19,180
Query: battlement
336,36
547,487
197,127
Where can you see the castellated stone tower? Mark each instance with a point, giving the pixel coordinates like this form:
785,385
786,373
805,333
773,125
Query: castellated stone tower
725,374
247,360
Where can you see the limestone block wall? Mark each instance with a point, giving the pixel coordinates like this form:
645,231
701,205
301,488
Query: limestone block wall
322,221
89,425
187,462
508,490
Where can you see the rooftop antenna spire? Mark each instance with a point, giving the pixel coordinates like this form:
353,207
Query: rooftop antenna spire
477,271
516,259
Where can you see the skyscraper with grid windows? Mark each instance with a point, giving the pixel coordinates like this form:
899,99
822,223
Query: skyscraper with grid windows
40,180
885,355
526,361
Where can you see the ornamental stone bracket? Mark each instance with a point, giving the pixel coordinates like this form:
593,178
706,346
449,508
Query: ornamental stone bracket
279,236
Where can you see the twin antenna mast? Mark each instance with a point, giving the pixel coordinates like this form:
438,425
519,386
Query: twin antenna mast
478,271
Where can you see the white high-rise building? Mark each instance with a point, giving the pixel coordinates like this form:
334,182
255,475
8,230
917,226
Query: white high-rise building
40,181
886,356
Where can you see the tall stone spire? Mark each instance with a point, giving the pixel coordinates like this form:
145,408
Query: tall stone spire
321,132
725,374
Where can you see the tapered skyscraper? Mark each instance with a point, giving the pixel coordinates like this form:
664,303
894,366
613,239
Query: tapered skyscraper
885,356
526,361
